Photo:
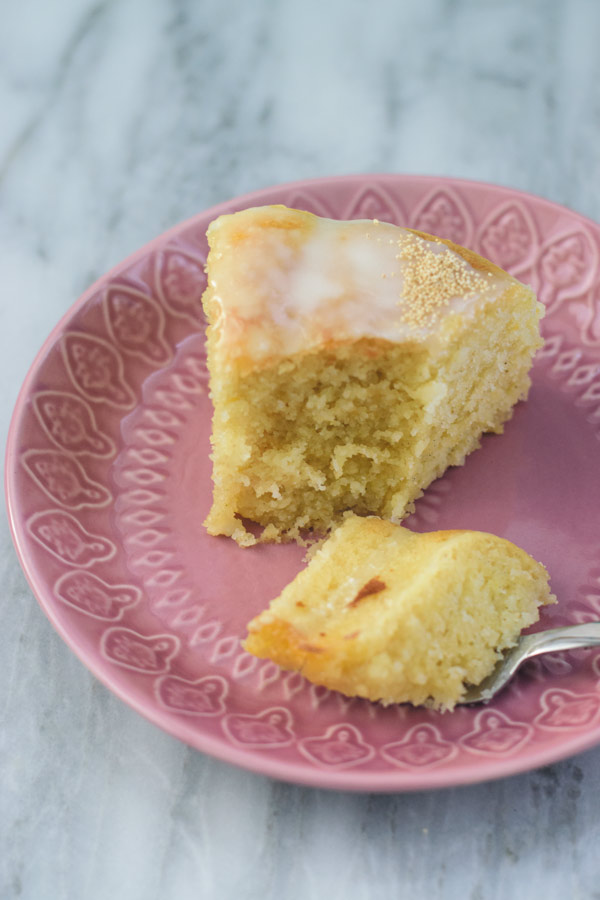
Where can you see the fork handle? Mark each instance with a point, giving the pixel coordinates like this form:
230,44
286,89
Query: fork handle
568,638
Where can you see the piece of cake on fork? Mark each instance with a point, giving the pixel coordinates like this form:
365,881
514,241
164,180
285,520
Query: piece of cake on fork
387,614
350,364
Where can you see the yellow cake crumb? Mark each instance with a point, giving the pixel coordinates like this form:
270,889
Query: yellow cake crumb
394,616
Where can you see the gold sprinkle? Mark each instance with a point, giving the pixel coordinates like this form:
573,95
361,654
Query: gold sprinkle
432,279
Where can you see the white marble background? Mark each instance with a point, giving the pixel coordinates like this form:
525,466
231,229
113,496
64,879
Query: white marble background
117,120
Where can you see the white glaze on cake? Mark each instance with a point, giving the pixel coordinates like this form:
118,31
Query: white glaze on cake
292,289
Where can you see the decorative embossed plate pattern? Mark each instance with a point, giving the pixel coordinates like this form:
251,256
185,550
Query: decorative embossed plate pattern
108,480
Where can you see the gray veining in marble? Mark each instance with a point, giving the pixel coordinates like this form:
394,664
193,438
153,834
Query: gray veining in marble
119,119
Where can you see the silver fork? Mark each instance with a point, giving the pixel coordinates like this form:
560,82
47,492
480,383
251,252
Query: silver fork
529,645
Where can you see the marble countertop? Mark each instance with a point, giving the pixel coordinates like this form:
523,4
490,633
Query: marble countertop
120,119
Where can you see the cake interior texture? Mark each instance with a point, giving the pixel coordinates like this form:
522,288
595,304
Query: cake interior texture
350,418
394,616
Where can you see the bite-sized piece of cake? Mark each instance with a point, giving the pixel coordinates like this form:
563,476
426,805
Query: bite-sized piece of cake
351,363
388,614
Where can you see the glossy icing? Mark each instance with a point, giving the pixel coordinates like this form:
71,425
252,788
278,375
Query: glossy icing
283,281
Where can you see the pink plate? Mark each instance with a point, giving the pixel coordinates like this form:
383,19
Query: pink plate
108,482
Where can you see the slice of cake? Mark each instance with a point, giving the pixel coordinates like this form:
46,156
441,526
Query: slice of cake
384,613
351,363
